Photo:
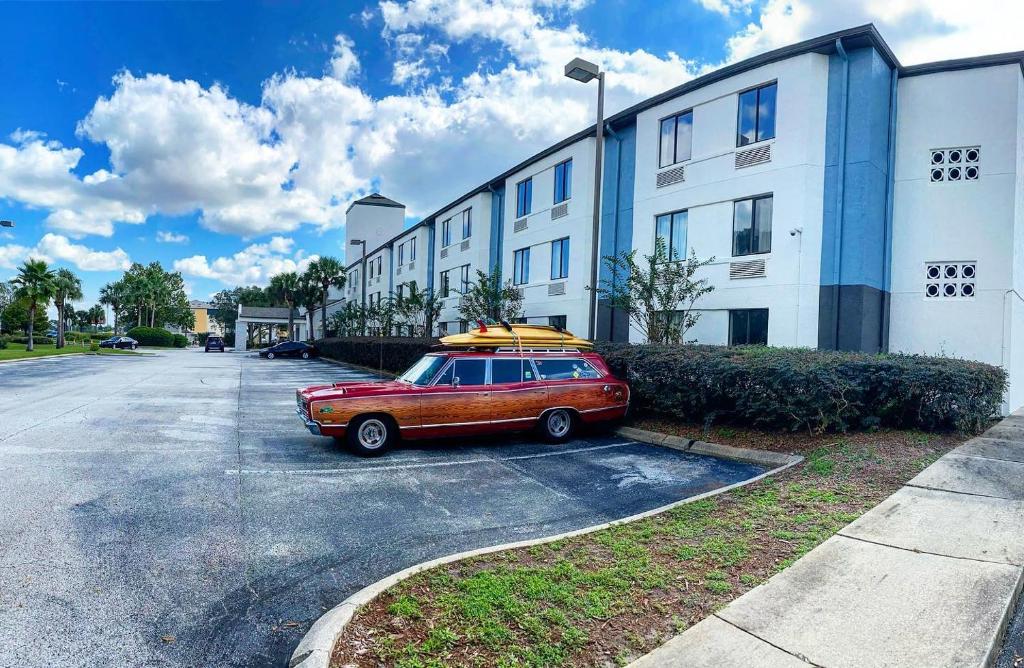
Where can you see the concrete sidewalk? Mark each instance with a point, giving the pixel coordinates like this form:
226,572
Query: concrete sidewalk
927,578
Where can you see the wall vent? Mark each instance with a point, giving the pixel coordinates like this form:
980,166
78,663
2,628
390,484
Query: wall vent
950,280
560,210
519,225
465,245
670,176
556,288
444,253
412,265
753,156
398,270
960,163
747,269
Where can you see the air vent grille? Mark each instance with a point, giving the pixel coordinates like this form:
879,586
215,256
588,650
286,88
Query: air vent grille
519,225
670,176
444,253
465,245
747,269
556,289
398,270
754,156
560,210
412,265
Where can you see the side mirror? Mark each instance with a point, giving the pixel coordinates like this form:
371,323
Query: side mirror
455,381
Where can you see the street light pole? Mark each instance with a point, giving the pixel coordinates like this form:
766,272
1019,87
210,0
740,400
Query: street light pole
362,280
584,71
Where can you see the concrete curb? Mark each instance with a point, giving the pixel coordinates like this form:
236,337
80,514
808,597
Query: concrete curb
316,647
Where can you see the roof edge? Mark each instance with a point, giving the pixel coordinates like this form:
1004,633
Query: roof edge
955,64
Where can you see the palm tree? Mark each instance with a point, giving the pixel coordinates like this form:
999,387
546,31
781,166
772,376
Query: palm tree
284,287
328,272
308,297
67,287
113,295
35,284
96,316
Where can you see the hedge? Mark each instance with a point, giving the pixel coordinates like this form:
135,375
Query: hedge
151,336
38,340
394,354
180,340
800,388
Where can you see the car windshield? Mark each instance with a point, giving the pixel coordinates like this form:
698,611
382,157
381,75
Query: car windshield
425,369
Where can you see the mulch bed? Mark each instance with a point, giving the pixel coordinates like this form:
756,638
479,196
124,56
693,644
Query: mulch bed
606,598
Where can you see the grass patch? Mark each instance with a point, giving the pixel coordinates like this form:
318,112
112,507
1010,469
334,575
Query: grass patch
17,351
611,596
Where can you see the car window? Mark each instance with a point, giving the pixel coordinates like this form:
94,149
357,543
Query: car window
471,371
421,372
446,377
510,371
565,369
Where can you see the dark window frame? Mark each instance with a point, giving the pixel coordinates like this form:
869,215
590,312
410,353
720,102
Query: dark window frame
671,229
446,233
747,312
524,202
566,186
753,224
467,223
446,283
563,259
521,269
464,279
675,138
757,113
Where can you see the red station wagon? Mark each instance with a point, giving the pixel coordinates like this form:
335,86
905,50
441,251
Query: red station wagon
457,393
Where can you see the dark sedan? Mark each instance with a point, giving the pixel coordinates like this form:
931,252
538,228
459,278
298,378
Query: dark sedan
122,342
290,349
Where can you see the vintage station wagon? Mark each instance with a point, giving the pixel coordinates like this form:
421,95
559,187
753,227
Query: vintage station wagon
454,393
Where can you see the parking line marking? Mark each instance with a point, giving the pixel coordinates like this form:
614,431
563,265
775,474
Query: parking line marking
396,467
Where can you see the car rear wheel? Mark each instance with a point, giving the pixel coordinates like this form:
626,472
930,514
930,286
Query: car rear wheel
270,356
305,354
557,425
370,435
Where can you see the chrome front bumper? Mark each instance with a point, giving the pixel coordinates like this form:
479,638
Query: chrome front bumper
313,427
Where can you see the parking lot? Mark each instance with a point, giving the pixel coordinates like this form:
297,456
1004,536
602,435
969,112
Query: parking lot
171,510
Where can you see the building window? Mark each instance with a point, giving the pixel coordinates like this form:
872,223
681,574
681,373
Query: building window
463,328
401,292
369,269
557,321
401,254
407,251
445,283
524,197
752,226
675,139
446,233
467,223
521,267
412,249
563,181
748,327
464,278
560,258
756,117
670,229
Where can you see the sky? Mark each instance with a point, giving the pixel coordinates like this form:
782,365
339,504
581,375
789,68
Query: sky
226,139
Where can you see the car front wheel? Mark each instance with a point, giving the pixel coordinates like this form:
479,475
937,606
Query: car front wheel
557,425
270,356
370,435
305,354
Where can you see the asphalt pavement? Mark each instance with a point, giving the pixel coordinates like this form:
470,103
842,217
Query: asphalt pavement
171,510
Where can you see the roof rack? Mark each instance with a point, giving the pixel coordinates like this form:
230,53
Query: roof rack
535,349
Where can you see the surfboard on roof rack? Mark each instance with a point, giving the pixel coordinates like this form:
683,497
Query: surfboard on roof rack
504,335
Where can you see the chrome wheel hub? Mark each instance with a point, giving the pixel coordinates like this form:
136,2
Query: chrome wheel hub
558,423
372,434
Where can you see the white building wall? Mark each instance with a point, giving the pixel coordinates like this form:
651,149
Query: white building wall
373,223
378,263
795,177
412,270
962,221
538,302
474,251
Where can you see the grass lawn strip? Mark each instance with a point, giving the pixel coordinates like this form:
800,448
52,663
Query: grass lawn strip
16,351
606,598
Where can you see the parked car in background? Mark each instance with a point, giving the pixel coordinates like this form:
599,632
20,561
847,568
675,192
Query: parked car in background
290,349
468,392
122,342
214,343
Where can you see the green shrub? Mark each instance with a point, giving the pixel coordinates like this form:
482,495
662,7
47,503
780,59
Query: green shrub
818,390
152,336
180,340
229,339
394,354
202,336
94,347
3,342
39,340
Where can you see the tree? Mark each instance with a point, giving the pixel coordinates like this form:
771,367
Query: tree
155,297
283,287
225,304
487,299
657,295
348,320
15,318
96,316
81,320
35,284
6,297
308,297
380,317
417,309
114,296
67,287
329,273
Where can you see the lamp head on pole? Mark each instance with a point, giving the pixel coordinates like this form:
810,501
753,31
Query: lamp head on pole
581,70
6,223
356,242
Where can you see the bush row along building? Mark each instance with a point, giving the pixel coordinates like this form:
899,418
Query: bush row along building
849,202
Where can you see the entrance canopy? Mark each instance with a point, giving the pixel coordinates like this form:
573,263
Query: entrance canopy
264,325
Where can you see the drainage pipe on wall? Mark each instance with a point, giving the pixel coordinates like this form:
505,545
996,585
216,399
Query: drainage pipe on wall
615,219
841,182
890,194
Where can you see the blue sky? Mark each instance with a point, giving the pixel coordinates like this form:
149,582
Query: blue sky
226,139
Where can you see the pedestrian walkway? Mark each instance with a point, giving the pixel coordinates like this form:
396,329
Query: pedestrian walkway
927,578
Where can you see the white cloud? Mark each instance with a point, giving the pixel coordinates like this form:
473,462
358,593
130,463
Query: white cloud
171,237
11,255
54,248
253,265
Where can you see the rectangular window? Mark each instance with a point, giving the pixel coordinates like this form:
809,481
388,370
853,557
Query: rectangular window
752,226
369,269
510,371
748,327
557,321
524,197
560,258
445,283
675,139
467,224
412,249
401,292
756,116
464,278
401,254
567,369
521,267
563,181
670,229
464,327
446,233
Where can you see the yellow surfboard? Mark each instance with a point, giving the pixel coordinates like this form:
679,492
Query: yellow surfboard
527,336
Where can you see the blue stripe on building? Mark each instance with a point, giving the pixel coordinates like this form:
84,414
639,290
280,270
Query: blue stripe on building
497,228
616,218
